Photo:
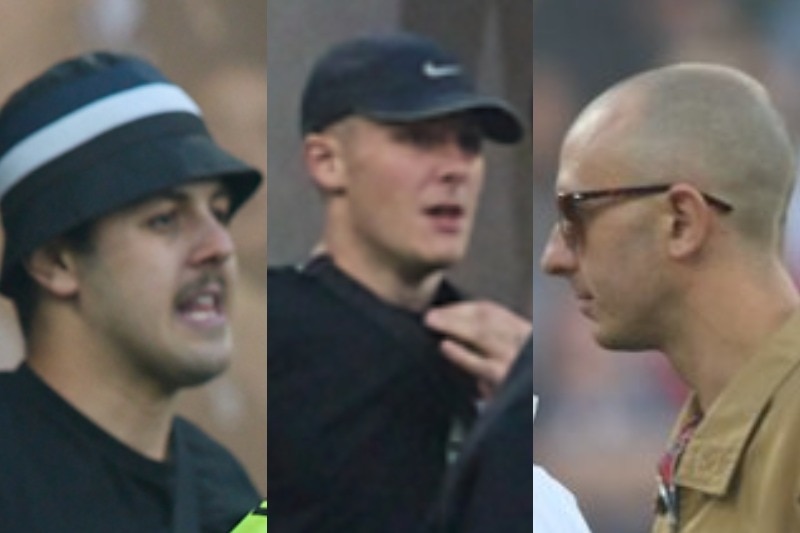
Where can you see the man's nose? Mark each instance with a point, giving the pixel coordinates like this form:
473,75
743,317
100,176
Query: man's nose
213,243
557,259
457,161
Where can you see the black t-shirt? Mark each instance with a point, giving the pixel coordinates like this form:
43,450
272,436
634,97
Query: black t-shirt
59,472
361,403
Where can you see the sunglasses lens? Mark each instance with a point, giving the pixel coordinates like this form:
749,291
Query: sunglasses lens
566,208
567,223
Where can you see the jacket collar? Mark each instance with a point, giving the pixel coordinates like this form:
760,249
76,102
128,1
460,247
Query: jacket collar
720,442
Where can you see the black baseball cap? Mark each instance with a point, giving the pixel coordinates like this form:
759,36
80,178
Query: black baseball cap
399,78
91,135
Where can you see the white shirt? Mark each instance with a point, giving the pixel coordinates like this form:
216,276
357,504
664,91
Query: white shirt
555,509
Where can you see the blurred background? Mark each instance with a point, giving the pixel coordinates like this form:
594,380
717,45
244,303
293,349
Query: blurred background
604,417
216,50
493,38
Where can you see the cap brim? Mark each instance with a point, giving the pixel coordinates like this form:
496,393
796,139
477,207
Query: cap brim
498,121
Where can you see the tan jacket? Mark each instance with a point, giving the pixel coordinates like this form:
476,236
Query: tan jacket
740,472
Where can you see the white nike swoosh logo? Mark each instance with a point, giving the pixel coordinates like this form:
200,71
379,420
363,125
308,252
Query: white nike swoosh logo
432,70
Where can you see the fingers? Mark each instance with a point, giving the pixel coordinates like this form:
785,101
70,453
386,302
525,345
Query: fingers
489,372
481,337
485,326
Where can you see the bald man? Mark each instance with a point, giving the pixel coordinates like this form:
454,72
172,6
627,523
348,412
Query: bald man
672,193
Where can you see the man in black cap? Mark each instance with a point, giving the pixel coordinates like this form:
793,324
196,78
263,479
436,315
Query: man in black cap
373,355
115,204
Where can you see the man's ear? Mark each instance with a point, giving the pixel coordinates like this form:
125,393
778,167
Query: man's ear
53,266
690,221
323,155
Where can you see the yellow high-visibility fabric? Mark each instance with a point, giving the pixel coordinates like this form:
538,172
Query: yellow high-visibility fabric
255,522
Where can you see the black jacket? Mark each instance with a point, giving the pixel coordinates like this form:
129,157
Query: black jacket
490,488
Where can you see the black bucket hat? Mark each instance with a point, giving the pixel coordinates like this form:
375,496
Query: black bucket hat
91,135
400,78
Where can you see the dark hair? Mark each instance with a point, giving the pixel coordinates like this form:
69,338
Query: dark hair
25,292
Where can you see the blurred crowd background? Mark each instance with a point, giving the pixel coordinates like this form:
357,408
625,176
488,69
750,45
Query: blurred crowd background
216,50
604,417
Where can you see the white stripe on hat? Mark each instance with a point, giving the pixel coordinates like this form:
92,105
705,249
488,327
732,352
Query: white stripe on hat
87,123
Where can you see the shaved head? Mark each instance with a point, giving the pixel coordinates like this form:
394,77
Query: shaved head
708,125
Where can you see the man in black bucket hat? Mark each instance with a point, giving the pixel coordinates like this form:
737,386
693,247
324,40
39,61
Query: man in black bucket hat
374,357
115,204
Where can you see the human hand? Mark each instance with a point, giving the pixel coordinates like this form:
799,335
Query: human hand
481,337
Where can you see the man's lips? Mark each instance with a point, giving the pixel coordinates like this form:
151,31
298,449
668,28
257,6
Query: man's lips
202,304
446,217
585,303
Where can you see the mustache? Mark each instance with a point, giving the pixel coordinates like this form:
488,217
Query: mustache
214,279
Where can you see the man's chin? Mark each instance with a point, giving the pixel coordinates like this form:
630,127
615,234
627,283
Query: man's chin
201,369
618,341
446,258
